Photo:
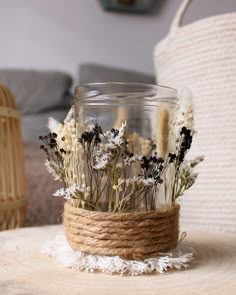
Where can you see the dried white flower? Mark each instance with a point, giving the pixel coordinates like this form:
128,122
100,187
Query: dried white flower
118,186
149,181
72,192
53,125
116,139
54,169
60,193
185,114
127,161
101,162
123,129
196,161
136,180
187,175
140,181
70,115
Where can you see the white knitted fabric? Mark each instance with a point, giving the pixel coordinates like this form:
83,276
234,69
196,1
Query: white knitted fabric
202,56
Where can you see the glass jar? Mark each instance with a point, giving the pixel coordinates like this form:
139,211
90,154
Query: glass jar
126,140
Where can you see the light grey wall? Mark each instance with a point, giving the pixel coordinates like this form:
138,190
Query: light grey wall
61,34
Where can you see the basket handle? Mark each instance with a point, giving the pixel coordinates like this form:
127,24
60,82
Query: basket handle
177,21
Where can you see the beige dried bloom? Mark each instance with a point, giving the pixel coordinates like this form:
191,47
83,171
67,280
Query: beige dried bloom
185,114
162,131
137,144
54,169
146,146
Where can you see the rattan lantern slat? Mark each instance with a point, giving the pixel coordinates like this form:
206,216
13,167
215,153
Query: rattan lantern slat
12,173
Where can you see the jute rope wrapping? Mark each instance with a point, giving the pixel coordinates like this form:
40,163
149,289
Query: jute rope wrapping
128,235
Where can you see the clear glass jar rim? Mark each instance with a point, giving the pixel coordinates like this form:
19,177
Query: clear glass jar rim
167,91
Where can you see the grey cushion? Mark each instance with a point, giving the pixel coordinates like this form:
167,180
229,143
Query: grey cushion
95,73
37,91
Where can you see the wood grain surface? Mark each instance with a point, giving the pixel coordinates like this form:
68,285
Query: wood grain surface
25,270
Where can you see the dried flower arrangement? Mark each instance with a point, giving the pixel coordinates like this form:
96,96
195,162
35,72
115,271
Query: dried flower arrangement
121,188
93,163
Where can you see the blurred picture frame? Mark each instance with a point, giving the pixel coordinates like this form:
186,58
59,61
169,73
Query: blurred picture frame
132,6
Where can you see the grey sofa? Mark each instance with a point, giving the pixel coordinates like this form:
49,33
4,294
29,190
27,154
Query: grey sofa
39,95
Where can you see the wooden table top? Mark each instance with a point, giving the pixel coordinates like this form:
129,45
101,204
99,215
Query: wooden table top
25,270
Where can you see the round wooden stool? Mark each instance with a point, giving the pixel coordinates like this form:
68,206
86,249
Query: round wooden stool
24,269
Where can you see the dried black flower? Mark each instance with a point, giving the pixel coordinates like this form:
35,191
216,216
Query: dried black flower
62,151
154,146
97,129
158,179
160,160
53,141
50,147
97,139
183,130
172,157
145,163
87,136
115,132
154,159
185,143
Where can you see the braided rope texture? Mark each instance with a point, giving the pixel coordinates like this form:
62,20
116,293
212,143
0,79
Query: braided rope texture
128,235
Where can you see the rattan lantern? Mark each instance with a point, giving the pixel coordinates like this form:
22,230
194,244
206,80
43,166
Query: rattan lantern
12,173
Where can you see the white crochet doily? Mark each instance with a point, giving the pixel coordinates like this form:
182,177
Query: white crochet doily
59,248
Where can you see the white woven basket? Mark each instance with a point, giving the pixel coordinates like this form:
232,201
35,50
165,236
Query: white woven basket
202,56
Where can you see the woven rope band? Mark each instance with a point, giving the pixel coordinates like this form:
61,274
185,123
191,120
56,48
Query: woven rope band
129,235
